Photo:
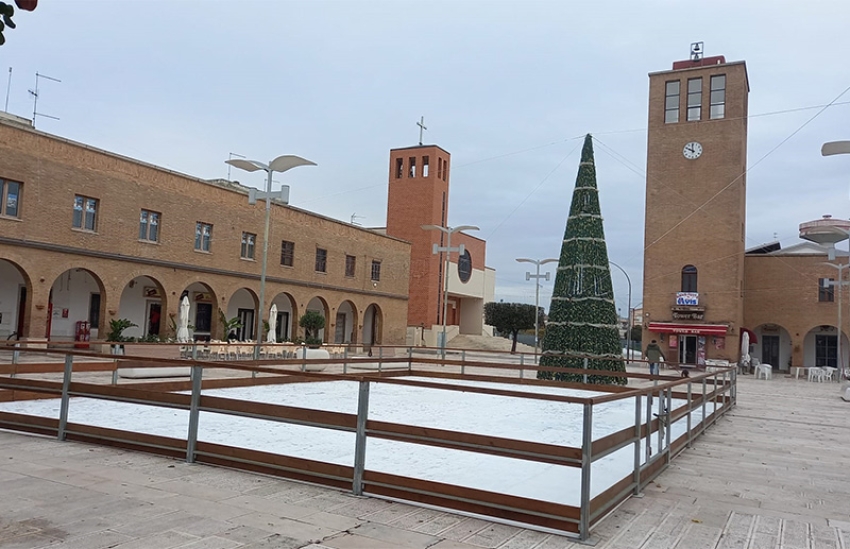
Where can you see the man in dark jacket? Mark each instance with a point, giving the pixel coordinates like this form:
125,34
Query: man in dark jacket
654,356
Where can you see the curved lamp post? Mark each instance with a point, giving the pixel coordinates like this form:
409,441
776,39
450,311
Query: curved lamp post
629,334
448,249
280,164
536,277
828,149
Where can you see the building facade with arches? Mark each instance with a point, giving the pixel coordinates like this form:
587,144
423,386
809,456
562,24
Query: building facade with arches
88,236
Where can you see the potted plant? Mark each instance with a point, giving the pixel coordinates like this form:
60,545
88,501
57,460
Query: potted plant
116,334
228,326
312,322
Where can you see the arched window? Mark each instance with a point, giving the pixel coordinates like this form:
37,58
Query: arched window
689,278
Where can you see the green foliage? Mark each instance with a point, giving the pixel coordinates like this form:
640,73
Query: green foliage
228,326
582,317
117,327
150,338
637,334
312,322
509,318
6,11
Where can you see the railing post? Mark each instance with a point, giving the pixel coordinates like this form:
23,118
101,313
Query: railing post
690,405
584,376
669,421
660,438
360,440
16,356
463,362
714,399
521,364
733,379
194,413
345,360
304,358
195,350
586,462
649,426
66,387
409,359
380,358
637,446
704,419
727,395
115,374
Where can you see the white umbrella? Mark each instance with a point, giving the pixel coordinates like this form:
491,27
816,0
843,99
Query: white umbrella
745,349
183,321
271,337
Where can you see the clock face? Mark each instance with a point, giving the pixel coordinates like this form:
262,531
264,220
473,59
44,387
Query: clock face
692,150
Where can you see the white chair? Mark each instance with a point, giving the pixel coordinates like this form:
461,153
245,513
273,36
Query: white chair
764,370
829,373
816,373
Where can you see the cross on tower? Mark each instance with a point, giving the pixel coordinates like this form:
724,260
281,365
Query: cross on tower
422,128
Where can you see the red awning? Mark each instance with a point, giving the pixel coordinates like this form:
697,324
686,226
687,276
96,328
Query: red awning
753,337
698,329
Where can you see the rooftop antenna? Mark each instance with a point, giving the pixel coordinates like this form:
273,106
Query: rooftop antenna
355,216
230,157
34,94
8,87
696,51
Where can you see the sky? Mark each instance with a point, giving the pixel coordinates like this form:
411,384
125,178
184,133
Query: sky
509,88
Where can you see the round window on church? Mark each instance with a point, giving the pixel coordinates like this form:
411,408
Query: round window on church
464,266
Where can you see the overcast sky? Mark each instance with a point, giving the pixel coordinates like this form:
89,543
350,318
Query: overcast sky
508,88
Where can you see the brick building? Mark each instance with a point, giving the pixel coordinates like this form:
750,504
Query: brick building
702,289
419,195
90,236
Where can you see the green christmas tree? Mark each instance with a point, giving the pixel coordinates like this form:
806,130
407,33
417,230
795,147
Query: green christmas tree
582,316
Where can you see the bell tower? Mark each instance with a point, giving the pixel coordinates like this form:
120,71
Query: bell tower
696,208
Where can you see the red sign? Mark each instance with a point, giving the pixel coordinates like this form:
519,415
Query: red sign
688,329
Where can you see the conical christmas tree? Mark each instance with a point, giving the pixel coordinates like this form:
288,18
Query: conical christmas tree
582,317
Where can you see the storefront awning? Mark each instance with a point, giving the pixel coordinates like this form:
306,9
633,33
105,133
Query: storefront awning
694,329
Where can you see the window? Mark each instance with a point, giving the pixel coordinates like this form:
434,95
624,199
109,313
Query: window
149,226
445,169
826,290
671,103
718,97
203,236
376,270
425,166
287,253
694,99
439,168
248,242
412,167
85,213
10,198
321,260
464,266
399,167
350,265
689,278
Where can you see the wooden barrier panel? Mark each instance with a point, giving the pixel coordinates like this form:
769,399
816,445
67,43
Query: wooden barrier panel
130,440
470,442
279,412
125,394
611,497
30,424
471,500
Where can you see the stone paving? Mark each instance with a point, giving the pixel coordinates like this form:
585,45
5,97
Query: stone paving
772,474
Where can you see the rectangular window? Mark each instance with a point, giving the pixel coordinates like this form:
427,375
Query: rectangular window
694,99
425,166
10,198
248,242
203,236
149,226
321,260
287,253
445,169
94,311
412,169
718,97
399,167
439,168
376,270
671,102
826,290
85,213
350,265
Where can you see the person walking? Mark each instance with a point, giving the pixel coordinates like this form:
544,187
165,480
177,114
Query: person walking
654,356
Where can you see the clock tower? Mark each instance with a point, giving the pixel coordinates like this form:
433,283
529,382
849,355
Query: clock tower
696,209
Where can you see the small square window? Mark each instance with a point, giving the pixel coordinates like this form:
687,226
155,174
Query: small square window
203,236
350,265
376,270
10,198
321,260
287,253
85,213
826,289
149,222
248,243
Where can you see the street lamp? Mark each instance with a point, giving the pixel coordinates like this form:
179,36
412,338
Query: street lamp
448,249
280,164
536,277
840,282
828,149
629,334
